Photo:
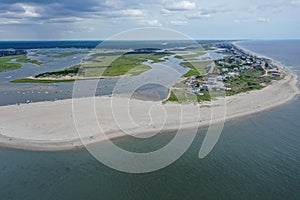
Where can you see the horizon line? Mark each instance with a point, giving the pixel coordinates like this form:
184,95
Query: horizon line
97,40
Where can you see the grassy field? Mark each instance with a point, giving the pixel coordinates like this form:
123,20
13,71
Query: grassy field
112,65
65,54
24,59
193,56
6,65
197,68
29,80
180,93
182,96
248,80
5,62
128,63
96,66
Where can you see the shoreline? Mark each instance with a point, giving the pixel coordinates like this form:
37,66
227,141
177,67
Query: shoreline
40,126
50,126
273,61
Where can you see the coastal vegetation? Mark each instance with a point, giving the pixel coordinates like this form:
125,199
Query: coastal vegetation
15,62
65,54
31,80
6,64
196,68
182,96
25,59
102,65
113,65
192,56
238,72
71,71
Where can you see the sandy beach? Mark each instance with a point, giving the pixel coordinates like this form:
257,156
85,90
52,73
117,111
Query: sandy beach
69,124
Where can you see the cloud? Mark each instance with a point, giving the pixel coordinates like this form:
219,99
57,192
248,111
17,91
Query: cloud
65,20
178,22
241,20
48,18
9,21
181,5
36,11
30,11
263,20
154,22
200,14
21,11
295,2
260,20
132,12
166,12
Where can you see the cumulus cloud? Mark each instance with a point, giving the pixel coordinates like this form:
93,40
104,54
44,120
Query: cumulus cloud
37,11
51,17
263,20
178,22
132,12
166,12
20,10
181,5
154,22
29,10
67,11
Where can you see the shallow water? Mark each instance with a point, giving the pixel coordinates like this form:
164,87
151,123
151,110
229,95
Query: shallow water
161,74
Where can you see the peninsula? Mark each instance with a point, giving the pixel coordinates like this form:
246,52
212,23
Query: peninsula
252,84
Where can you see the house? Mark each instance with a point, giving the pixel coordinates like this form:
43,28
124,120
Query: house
221,77
221,63
248,61
212,81
196,90
275,74
205,87
225,69
244,67
233,74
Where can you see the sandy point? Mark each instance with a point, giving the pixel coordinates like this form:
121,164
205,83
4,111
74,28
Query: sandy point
73,123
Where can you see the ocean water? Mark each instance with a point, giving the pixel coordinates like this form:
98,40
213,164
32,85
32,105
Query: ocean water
257,157
284,51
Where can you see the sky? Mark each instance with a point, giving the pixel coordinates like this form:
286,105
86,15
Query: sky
100,19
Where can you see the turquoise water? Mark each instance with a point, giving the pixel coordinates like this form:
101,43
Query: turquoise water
257,157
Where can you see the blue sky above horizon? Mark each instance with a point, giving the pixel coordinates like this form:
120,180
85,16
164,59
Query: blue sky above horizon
99,19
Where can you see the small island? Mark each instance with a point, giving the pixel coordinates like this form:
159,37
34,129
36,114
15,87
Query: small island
103,64
12,59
